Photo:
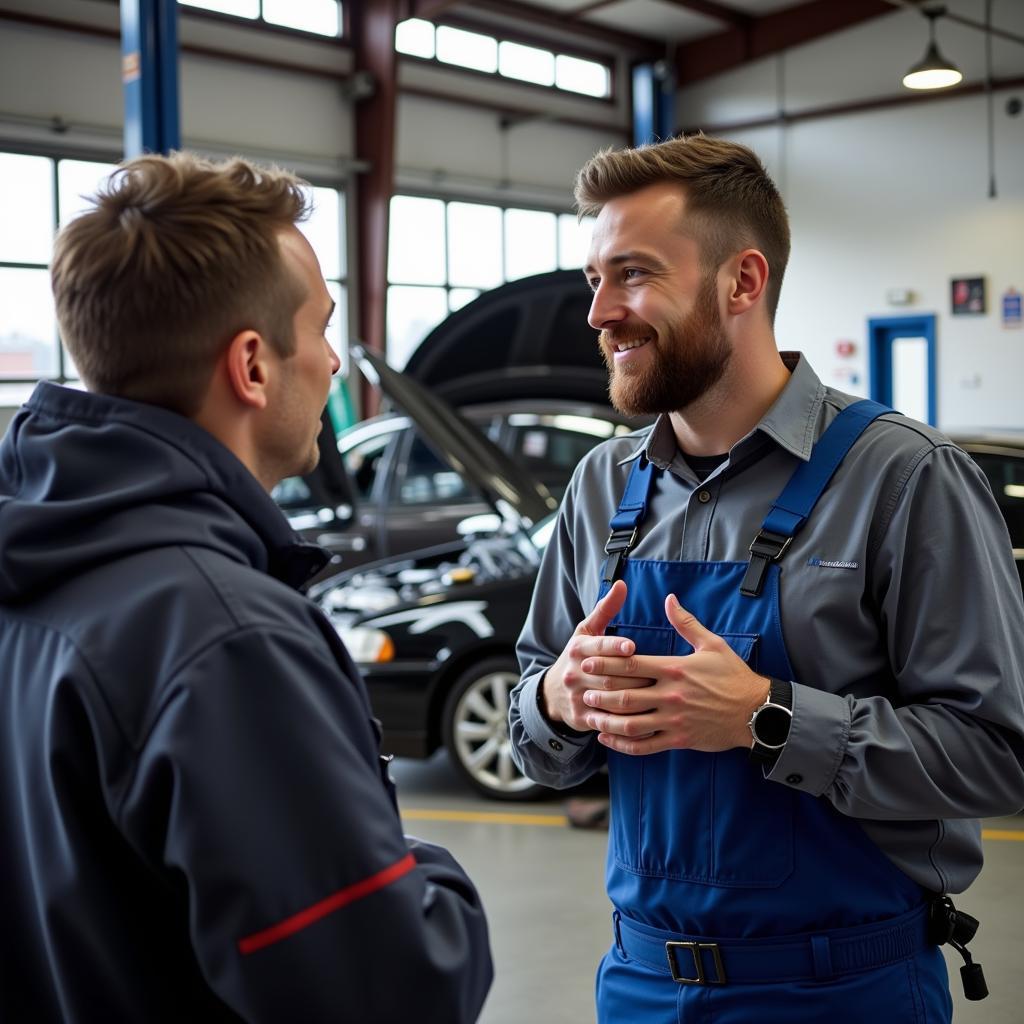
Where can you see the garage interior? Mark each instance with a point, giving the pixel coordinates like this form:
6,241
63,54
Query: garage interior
441,138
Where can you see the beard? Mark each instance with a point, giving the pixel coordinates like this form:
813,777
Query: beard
685,361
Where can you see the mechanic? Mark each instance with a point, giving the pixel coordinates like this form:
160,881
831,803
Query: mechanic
195,821
788,621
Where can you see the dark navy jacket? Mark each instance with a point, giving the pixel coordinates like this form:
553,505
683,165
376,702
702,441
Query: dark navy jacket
194,824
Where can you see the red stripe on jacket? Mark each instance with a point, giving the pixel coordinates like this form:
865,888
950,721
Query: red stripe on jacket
304,918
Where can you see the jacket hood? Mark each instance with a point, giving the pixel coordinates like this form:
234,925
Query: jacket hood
86,478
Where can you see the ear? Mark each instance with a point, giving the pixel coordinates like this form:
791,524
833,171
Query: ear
749,281
246,362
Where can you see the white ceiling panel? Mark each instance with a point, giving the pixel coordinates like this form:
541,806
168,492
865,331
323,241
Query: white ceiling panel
657,19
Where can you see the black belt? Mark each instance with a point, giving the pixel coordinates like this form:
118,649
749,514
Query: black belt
691,960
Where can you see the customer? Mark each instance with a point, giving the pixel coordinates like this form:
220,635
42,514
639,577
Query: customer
800,651
195,823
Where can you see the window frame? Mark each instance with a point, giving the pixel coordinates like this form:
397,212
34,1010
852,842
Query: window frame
504,205
55,155
505,35
343,37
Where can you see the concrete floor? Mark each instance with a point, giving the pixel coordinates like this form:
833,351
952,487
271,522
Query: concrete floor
543,887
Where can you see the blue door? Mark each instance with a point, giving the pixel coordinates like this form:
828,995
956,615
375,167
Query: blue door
902,364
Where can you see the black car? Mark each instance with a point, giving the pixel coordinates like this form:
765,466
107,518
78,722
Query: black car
522,366
435,631
1001,457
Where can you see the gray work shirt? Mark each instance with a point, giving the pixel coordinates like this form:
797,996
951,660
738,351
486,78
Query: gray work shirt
901,610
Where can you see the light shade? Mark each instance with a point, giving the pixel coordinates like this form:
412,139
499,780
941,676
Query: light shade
933,71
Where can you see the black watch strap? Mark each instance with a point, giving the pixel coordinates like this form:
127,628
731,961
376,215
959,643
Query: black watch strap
780,696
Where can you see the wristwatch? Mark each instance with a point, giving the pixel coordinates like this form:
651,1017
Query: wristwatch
769,724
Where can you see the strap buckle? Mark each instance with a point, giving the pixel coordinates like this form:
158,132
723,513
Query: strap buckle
765,548
618,542
770,545
695,949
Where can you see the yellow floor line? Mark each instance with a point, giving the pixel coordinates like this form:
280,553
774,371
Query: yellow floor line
559,820
1003,833
493,817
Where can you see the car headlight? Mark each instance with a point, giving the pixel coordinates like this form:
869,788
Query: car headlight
367,646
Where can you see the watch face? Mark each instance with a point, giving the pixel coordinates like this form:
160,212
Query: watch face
771,726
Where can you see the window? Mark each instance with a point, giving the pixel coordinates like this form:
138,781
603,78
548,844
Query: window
550,446
1005,474
38,194
444,254
363,459
319,17
479,52
429,480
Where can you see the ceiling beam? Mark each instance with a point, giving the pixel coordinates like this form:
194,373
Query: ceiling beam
428,10
634,45
770,34
720,12
594,5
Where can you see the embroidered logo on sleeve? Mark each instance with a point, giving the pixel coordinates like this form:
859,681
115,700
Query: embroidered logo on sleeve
825,563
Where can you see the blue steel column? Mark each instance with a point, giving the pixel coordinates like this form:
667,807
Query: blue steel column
149,70
653,103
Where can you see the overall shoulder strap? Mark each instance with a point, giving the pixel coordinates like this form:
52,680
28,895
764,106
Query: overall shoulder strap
793,506
625,524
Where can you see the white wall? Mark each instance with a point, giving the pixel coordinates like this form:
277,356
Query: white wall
892,198
64,77
302,120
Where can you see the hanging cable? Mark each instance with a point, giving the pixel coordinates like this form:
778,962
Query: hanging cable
990,101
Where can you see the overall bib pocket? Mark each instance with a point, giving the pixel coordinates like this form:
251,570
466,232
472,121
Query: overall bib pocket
698,817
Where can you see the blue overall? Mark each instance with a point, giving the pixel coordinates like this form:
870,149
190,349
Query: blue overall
740,899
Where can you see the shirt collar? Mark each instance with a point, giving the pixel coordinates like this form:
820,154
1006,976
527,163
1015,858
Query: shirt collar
791,421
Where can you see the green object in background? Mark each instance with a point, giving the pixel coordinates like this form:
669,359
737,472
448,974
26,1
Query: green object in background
339,406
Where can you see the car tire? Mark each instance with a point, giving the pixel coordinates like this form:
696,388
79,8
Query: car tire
475,731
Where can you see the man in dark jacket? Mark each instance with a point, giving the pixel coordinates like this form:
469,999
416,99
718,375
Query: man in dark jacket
195,823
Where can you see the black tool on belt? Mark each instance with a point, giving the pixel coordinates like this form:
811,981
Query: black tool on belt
947,924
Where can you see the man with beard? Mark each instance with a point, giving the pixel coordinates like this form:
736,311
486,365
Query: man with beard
195,820
788,622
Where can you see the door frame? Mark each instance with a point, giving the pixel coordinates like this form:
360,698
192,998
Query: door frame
882,332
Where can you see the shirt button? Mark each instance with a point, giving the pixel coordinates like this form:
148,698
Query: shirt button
554,745
704,497
795,779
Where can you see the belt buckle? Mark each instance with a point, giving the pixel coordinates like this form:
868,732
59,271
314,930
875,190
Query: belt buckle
695,949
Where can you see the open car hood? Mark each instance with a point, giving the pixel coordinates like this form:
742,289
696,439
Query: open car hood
528,339
505,484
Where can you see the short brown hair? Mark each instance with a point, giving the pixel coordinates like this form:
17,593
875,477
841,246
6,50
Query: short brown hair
731,199
177,255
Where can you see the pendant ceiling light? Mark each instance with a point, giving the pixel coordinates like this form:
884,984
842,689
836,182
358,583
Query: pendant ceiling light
933,71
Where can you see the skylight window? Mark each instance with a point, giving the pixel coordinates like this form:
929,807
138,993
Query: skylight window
319,17
584,76
467,49
238,8
527,63
416,37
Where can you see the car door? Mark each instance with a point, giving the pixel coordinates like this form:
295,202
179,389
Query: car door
1004,467
427,498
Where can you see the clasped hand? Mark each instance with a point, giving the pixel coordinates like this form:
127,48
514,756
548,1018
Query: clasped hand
642,704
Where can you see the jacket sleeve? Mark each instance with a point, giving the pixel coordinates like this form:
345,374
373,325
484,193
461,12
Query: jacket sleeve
259,793
553,758
944,736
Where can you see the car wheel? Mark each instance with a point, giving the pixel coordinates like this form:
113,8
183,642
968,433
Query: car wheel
475,731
